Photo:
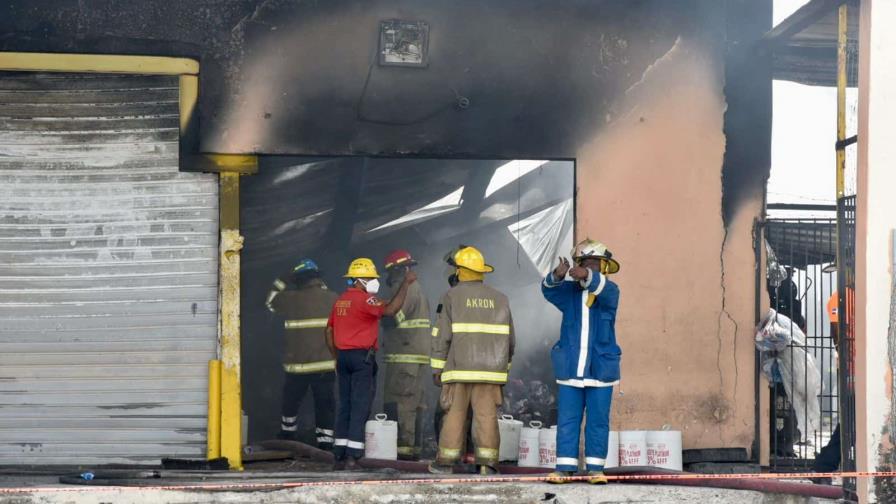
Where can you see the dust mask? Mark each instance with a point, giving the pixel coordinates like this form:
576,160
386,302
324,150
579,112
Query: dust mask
371,286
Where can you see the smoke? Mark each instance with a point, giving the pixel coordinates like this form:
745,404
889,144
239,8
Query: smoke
299,211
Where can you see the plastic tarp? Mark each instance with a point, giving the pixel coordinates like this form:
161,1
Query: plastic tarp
545,235
785,358
775,272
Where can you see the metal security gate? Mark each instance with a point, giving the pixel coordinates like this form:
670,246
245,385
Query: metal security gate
811,376
804,374
108,273
846,288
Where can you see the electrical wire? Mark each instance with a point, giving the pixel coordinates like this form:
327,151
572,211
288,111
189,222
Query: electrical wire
462,102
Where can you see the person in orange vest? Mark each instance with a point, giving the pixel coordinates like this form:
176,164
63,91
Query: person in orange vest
406,346
352,333
833,308
828,458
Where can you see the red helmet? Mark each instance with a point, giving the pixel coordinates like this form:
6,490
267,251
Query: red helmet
399,257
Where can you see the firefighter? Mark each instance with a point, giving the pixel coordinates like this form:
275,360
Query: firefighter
406,345
306,359
351,334
586,359
439,414
472,346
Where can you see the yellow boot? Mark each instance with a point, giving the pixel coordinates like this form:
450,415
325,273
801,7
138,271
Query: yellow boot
437,468
597,478
485,470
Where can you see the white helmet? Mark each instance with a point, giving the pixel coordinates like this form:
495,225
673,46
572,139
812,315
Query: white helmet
593,248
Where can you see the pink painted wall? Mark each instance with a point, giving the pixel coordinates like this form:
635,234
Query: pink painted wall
650,187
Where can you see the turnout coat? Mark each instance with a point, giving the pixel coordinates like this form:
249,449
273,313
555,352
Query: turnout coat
586,354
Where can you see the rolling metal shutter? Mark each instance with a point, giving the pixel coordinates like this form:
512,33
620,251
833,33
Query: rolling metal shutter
108,273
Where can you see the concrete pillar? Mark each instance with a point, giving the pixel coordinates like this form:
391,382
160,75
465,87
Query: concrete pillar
876,220
231,392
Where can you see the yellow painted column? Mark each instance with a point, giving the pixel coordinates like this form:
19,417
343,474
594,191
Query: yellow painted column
842,26
231,244
214,410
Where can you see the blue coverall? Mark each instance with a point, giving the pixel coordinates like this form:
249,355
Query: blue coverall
586,365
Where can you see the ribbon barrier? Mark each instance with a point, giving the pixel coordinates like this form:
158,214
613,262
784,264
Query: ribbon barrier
97,485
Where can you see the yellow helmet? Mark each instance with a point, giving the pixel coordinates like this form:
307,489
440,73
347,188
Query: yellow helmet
471,259
362,268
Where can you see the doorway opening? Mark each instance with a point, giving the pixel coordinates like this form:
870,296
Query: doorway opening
520,213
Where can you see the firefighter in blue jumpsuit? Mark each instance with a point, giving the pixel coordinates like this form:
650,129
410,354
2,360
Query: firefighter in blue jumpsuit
586,358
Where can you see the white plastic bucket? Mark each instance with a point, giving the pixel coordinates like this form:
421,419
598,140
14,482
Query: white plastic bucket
633,448
664,449
528,452
547,447
381,438
509,430
612,450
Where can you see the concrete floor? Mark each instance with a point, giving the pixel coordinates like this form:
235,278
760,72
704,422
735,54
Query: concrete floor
49,491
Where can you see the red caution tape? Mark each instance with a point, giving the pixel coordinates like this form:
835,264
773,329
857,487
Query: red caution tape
476,479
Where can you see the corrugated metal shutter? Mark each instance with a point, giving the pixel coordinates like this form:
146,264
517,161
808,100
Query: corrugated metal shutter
108,273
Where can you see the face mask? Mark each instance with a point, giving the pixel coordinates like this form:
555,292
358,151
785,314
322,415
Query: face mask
372,286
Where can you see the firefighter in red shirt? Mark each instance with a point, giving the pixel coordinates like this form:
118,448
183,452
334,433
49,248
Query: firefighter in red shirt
352,331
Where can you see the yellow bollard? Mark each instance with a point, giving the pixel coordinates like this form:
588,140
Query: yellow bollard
214,409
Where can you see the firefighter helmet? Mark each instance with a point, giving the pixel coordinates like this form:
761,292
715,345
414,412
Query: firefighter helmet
399,257
305,265
472,259
595,249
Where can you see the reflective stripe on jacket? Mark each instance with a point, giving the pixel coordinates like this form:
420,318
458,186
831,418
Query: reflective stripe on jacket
406,336
311,367
473,338
586,354
305,311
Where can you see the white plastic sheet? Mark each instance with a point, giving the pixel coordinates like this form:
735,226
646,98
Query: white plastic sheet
545,235
783,346
776,273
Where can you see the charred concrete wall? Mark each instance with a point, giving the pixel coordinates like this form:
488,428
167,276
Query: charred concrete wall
660,102
299,77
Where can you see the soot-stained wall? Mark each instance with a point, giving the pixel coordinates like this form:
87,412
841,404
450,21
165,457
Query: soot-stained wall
662,103
506,78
